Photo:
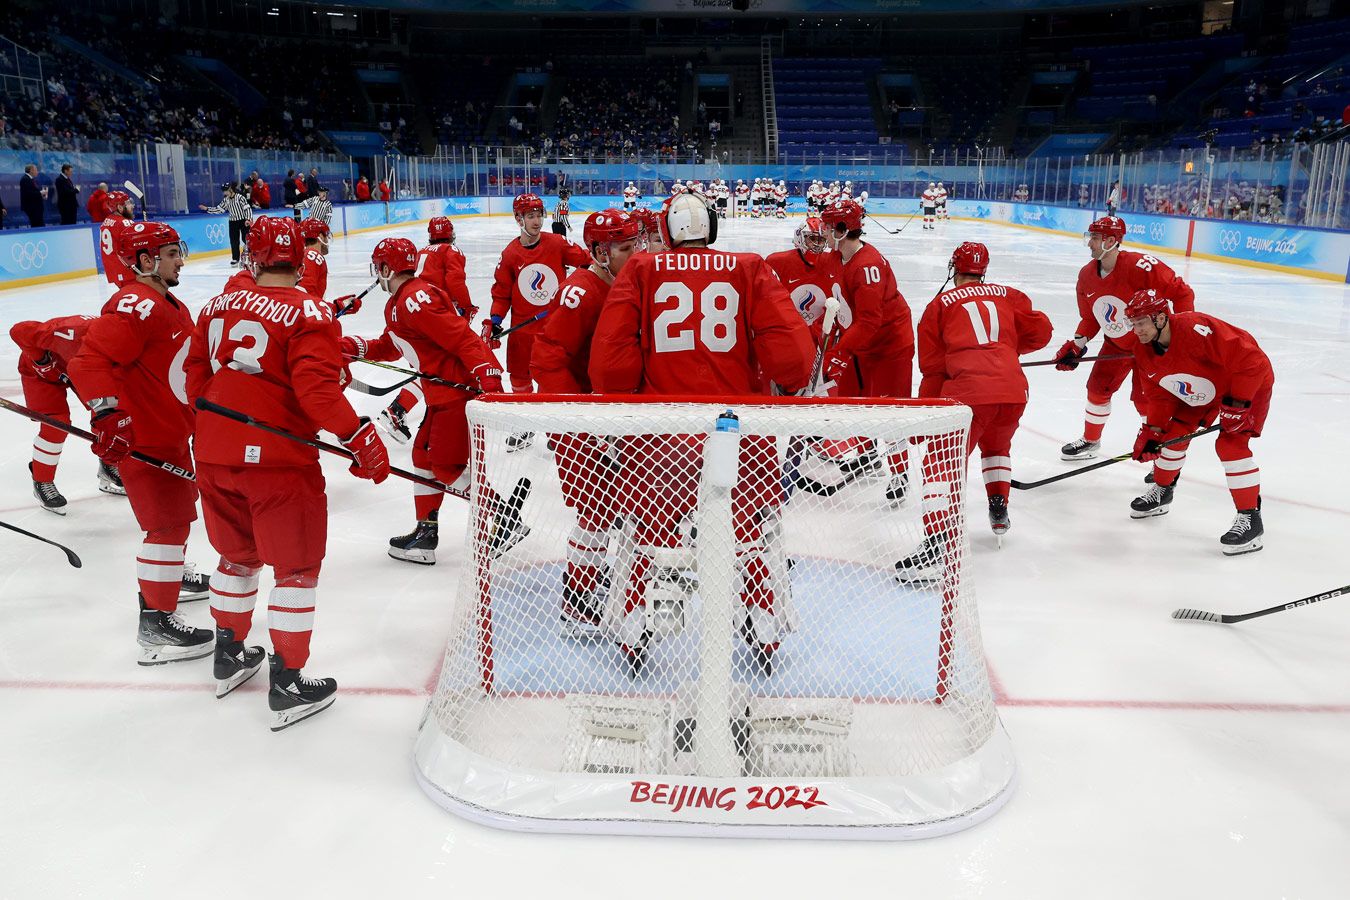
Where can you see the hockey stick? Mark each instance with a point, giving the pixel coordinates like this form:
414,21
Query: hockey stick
1081,359
245,418
793,459
362,388
1028,485
423,375
346,309
501,334
88,436
1199,615
138,194
70,554
884,228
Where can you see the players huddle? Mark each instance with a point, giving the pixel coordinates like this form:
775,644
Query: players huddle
170,397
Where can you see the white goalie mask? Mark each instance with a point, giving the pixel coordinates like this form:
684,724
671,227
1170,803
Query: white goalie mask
686,217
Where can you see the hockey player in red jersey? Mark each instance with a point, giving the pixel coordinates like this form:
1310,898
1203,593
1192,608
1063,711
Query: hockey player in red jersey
651,231
526,284
876,350
117,215
1200,371
809,271
271,351
129,371
698,322
422,326
969,340
560,364
1104,287
314,273
45,350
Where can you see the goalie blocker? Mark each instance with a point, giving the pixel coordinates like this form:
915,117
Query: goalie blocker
876,717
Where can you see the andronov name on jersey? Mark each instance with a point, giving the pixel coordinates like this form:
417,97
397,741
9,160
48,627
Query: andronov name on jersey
695,262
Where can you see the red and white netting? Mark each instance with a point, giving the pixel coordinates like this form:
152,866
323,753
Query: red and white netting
675,620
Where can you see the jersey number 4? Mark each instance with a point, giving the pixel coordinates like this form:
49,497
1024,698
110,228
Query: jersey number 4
983,335
718,304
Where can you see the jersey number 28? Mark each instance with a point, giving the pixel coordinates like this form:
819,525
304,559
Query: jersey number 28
718,304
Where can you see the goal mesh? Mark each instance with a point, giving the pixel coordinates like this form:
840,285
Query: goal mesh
673,619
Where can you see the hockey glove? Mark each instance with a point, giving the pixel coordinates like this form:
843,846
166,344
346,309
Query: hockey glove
1067,358
1235,416
1148,445
112,435
836,364
347,305
492,332
371,459
47,368
353,347
489,378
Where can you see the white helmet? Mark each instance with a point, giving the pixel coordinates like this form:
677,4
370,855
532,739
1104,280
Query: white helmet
848,184
784,183
685,217
630,184
931,185
939,184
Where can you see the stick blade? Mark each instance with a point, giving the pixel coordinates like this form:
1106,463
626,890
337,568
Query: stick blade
1197,615
135,191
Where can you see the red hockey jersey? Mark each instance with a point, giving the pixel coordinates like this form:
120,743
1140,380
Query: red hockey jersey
809,279
969,340
698,322
1101,301
314,279
1207,360
527,278
115,271
560,360
442,266
422,327
61,337
271,352
135,351
879,319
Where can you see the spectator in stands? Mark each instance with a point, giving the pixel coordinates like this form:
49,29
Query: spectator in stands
94,206
67,195
259,194
363,189
32,197
347,194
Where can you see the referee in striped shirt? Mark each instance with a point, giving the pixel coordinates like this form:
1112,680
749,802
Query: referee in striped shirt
235,205
319,207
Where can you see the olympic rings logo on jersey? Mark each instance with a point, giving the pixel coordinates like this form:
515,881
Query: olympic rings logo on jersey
1229,240
1110,312
29,255
537,283
1157,231
215,233
1193,390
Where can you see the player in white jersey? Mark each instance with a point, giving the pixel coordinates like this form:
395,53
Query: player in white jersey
847,191
941,201
780,195
630,197
723,198
677,187
928,202
862,200
742,197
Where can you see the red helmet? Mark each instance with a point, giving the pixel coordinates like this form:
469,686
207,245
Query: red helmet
1146,303
314,230
843,212
146,237
647,219
113,201
527,203
275,241
810,236
440,228
609,226
970,258
399,254
1108,226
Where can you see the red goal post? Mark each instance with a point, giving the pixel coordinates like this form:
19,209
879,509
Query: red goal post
681,617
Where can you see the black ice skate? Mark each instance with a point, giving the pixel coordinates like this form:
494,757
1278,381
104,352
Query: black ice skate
48,495
110,480
195,586
521,440
165,638
294,698
393,420
924,564
636,656
235,663
998,516
1080,449
1246,533
508,529
897,488
419,545
761,654
581,609
1153,502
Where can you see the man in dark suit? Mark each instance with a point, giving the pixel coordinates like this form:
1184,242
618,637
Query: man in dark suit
31,197
67,195
312,183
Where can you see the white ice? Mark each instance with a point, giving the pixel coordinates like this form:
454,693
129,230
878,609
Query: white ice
1156,758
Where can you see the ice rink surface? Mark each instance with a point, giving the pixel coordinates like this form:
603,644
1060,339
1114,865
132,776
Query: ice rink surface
1157,758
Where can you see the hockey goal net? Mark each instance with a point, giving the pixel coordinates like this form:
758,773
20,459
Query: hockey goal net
684,616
